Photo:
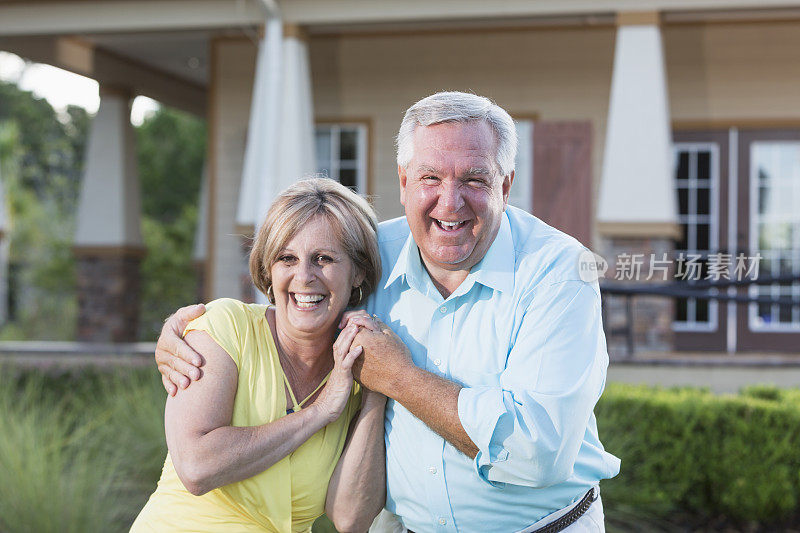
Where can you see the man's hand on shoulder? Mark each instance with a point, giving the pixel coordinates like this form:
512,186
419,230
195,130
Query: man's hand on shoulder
178,363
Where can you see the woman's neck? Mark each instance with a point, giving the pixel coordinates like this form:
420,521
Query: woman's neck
306,356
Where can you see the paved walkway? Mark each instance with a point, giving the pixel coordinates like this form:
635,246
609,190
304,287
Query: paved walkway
721,372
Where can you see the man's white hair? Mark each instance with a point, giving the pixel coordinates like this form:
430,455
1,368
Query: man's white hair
452,106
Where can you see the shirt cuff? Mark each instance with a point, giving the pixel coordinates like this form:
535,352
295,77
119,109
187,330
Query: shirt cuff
480,410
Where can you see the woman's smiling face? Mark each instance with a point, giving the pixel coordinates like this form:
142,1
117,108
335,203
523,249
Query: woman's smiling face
312,279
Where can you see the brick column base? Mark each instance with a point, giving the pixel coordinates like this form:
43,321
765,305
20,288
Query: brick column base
652,316
108,293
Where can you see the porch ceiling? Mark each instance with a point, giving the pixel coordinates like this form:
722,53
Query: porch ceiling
156,48
171,67
180,54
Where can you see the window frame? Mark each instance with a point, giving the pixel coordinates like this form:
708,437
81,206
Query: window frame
754,322
693,219
362,162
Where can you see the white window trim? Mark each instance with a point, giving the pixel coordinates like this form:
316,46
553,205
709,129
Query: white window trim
754,322
523,174
361,155
713,227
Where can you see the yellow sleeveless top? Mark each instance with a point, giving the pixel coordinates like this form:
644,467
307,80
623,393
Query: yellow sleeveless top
289,495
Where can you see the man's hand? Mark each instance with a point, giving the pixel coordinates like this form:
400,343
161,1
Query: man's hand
385,357
178,363
387,367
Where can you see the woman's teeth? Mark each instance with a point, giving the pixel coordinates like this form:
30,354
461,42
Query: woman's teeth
307,300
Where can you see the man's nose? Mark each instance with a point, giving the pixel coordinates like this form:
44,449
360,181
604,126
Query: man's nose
450,196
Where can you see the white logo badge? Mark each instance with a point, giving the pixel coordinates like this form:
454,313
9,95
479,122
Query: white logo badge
591,266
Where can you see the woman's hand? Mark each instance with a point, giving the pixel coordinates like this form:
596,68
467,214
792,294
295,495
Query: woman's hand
334,396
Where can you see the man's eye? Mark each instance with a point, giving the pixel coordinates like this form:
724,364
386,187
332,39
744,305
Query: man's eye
430,178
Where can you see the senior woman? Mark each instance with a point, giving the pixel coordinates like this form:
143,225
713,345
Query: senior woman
276,433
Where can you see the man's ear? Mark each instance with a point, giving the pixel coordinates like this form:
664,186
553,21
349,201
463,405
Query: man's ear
507,182
401,173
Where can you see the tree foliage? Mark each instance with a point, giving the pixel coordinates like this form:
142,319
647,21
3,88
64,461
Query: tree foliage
41,164
171,153
171,147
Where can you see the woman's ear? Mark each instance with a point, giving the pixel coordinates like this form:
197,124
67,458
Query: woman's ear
359,277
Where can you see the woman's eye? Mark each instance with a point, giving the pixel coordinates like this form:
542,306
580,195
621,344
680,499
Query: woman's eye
286,259
324,259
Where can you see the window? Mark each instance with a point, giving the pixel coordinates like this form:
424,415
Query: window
342,153
775,231
696,183
521,194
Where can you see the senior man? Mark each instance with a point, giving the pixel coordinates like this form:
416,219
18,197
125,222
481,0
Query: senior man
490,348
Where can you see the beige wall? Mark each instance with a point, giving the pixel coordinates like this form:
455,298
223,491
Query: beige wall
558,74
231,88
716,72
734,71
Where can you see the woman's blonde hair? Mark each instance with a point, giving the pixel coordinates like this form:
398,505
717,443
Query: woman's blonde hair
350,216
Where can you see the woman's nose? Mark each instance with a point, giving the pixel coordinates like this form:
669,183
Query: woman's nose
305,272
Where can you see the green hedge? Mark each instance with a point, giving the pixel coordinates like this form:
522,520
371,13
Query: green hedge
690,455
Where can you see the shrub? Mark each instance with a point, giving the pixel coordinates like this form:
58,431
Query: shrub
706,457
51,482
78,452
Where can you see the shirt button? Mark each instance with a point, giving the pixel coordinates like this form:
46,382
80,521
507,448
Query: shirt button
432,470
443,309
437,362
442,521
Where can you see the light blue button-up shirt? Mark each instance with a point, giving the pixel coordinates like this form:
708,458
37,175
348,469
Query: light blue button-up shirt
523,335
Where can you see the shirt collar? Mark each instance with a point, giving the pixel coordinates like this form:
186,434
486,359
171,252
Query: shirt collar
408,264
495,270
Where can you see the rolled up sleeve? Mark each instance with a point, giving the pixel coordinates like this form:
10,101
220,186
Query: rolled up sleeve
529,430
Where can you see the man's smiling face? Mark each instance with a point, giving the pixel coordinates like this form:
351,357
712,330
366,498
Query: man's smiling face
453,193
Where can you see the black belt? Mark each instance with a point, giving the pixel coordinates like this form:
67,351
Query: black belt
563,522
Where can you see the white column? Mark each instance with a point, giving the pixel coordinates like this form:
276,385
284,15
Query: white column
4,238
637,187
109,207
280,142
200,247
108,239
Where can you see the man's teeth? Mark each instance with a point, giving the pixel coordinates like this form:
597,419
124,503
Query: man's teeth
450,225
307,300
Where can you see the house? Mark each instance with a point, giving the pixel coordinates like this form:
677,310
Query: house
670,128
